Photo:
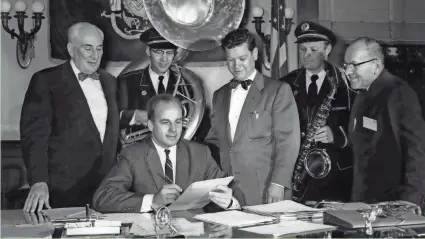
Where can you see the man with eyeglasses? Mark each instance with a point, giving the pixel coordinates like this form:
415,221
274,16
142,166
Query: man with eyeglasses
386,129
311,85
136,87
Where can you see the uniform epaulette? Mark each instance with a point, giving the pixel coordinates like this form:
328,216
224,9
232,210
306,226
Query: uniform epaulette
131,73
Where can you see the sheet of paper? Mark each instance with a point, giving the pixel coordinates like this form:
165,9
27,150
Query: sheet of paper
44,230
196,195
233,218
282,207
183,226
128,217
69,212
289,227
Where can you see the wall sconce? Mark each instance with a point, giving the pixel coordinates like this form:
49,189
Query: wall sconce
257,13
25,40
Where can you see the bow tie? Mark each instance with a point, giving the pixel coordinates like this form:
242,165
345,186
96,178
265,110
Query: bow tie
82,76
245,83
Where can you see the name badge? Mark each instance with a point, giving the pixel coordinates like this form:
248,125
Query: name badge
369,123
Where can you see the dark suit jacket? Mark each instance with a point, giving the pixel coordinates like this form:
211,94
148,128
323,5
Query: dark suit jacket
266,141
139,172
60,142
135,88
337,185
387,133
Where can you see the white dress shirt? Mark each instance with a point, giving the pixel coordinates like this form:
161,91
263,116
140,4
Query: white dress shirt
95,97
237,99
155,81
319,81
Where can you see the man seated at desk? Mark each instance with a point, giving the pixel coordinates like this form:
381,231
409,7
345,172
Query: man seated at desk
155,171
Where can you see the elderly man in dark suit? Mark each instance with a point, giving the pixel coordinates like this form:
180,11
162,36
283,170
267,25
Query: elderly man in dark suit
386,130
153,172
255,126
311,84
69,125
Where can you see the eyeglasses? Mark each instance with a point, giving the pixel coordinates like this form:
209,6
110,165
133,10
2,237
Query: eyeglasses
355,65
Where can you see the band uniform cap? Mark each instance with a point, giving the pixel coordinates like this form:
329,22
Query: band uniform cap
153,39
311,32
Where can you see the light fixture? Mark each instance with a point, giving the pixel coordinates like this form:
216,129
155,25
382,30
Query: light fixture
257,13
25,40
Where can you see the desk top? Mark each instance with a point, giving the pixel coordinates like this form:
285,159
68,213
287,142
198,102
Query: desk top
18,217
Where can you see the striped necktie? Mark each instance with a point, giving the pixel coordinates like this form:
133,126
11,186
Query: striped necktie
168,168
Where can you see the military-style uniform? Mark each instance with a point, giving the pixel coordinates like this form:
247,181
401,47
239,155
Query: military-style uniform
337,184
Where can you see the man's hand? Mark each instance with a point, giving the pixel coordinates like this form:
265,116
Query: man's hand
275,193
218,230
37,198
168,194
324,135
222,196
186,121
141,117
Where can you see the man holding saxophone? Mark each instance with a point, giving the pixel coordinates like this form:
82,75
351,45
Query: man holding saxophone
311,86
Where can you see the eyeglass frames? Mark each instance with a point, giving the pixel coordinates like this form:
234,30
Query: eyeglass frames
355,65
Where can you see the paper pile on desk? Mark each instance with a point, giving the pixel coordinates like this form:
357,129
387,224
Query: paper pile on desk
289,228
233,218
68,213
146,227
286,209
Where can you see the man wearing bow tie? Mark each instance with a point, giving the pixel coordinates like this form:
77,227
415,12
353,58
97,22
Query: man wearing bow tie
255,126
69,125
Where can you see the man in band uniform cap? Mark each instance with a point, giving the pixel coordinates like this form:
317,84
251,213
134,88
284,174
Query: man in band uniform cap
310,85
138,86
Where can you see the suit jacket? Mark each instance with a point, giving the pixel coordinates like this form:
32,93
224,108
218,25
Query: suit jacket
60,141
337,185
139,172
135,88
266,141
387,133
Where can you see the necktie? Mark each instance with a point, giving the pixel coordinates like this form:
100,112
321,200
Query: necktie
82,76
244,83
168,168
312,90
161,88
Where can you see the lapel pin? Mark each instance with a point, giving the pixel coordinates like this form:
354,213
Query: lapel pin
295,93
144,92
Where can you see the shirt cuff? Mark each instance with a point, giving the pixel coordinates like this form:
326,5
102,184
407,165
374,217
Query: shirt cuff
147,203
278,185
235,205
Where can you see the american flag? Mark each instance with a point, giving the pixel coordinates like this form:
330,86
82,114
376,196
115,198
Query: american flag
278,55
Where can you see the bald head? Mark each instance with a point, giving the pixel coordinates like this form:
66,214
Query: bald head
370,46
85,46
80,29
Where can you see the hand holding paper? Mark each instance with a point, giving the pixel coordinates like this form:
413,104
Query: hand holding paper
168,194
222,196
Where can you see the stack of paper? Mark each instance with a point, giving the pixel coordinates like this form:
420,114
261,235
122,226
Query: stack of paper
68,213
234,218
183,226
286,209
289,227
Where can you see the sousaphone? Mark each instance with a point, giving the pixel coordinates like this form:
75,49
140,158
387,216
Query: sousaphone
192,25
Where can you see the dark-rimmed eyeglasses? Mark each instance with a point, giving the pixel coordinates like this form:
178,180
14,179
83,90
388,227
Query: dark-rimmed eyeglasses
346,65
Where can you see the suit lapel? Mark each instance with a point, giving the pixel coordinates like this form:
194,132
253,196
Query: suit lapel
182,165
226,108
146,84
251,101
172,80
111,104
72,84
154,164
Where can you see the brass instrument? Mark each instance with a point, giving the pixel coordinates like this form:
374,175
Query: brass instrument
313,163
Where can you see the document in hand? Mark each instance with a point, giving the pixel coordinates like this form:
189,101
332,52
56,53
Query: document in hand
234,218
197,194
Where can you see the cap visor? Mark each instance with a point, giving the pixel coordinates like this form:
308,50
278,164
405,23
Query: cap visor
310,39
163,45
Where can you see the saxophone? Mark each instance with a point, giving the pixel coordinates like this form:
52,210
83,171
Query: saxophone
313,162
